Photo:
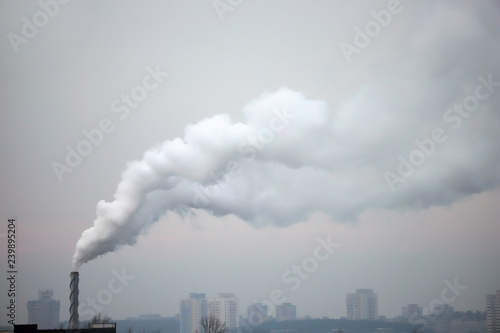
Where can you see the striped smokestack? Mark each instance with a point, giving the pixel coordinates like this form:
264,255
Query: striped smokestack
73,300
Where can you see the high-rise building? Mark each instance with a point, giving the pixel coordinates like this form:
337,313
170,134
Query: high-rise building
257,312
224,307
493,313
442,315
45,311
192,311
362,305
412,311
286,311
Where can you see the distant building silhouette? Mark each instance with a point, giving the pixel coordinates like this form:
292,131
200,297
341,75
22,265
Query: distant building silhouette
224,307
412,311
286,311
45,311
493,313
192,310
442,315
362,305
256,312
147,316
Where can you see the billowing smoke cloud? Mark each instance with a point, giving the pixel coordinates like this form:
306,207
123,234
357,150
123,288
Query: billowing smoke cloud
403,142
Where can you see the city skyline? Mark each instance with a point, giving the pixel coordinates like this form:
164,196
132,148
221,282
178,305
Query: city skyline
202,306
443,318
406,310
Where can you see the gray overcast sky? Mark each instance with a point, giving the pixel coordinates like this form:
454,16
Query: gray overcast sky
325,176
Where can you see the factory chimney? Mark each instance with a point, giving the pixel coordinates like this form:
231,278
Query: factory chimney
73,300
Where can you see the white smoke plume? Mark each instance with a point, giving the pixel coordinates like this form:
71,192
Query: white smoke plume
399,143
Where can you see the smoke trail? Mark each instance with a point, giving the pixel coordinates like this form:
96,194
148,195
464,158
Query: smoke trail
293,156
